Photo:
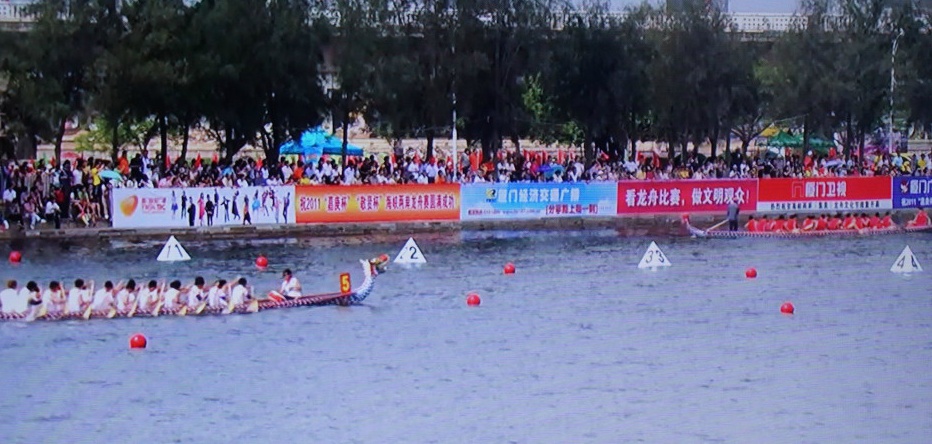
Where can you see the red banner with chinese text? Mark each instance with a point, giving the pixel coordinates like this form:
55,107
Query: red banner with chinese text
377,203
825,194
694,196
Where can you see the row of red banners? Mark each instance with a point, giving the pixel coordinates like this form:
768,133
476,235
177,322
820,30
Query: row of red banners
193,207
765,195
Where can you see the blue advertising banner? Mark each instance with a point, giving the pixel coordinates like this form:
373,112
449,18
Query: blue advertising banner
484,201
912,192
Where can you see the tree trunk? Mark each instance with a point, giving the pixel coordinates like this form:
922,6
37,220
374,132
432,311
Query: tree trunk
163,136
731,156
115,142
806,134
184,142
714,141
59,135
345,149
430,145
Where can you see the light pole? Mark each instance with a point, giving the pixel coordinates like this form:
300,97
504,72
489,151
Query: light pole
453,90
896,40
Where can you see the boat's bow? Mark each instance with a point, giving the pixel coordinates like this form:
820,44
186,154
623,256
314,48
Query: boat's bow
370,268
692,230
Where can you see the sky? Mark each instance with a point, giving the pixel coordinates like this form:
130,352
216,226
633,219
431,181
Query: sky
760,6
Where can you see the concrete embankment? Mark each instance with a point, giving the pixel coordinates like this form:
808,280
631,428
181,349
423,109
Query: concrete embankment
644,225
662,225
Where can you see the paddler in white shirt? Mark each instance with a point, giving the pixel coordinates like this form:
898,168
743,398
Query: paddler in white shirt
54,298
171,296
104,298
291,287
148,297
240,293
196,293
126,296
9,298
30,298
79,297
217,296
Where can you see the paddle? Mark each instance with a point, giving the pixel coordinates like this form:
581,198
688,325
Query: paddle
253,306
87,312
182,311
161,300
200,308
717,225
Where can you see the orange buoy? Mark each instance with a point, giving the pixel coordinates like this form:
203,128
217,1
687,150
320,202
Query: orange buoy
262,262
787,308
509,268
137,341
473,299
383,258
750,273
16,257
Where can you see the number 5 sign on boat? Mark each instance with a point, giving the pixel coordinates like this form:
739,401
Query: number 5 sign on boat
345,285
653,258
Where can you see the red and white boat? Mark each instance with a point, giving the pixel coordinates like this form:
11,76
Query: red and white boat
698,232
347,296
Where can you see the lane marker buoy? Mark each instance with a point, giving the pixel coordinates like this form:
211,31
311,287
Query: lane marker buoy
653,258
787,308
750,273
173,252
472,299
906,262
410,254
509,268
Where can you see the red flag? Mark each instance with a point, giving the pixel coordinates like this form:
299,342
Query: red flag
197,162
214,159
168,161
561,156
259,163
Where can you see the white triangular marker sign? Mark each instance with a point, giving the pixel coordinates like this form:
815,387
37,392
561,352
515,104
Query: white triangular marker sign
173,251
654,258
906,262
410,254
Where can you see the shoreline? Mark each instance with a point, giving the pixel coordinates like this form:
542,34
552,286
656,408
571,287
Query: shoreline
659,224
664,224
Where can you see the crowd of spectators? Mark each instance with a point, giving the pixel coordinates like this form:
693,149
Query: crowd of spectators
37,192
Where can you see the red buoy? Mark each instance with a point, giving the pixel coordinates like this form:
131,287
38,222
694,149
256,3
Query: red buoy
383,258
787,308
16,257
262,262
137,341
750,273
509,268
472,299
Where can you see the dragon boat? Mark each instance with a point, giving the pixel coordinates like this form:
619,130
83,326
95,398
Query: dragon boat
697,232
351,296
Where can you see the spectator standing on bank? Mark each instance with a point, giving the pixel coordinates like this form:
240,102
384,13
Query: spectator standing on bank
732,217
53,212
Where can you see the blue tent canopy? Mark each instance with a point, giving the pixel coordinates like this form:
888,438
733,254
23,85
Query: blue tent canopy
315,143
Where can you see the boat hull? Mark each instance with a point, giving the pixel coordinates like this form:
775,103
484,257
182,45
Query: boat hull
696,232
370,269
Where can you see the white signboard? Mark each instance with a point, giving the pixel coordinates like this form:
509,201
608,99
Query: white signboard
191,207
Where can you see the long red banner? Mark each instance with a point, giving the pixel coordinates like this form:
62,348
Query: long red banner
696,196
825,194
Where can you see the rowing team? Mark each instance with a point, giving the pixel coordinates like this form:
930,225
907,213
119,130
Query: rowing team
828,222
121,297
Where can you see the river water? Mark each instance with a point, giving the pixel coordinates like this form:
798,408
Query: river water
578,346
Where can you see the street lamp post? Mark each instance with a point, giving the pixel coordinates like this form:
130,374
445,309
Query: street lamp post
893,87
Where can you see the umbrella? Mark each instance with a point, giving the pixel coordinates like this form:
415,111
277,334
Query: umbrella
109,174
